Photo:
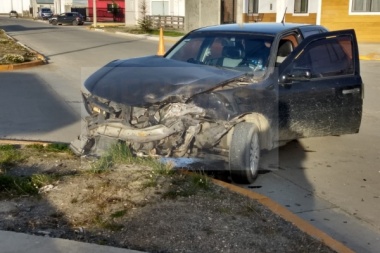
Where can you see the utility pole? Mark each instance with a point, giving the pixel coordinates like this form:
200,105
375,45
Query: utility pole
94,13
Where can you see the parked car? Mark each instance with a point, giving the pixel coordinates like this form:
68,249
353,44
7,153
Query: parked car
228,91
13,14
45,13
68,18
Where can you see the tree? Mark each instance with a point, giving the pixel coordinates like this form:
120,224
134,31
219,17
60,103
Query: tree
145,23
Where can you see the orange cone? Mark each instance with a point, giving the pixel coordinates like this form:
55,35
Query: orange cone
161,44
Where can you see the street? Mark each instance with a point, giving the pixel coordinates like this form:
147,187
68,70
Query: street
331,182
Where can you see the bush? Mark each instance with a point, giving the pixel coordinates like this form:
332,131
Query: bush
14,58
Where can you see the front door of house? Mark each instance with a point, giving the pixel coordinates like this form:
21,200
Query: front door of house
228,11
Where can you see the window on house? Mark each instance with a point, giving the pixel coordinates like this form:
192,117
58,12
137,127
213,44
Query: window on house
301,6
160,8
253,6
366,5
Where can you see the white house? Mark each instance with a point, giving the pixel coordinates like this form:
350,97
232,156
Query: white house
21,6
154,7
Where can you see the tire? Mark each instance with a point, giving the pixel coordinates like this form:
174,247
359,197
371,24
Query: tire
244,155
75,22
54,22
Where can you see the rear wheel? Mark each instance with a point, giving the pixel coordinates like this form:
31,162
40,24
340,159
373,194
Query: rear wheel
244,153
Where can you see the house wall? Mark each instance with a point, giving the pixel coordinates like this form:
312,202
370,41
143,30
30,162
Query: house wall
273,11
335,16
37,4
18,5
133,9
199,13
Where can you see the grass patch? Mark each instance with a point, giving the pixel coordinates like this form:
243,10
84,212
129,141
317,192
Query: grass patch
13,186
121,154
9,155
188,185
171,33
118,214
51,147
136,30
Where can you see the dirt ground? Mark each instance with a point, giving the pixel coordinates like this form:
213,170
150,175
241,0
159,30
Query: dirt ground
142,208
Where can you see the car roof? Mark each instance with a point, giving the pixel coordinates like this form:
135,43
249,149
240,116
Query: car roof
262,27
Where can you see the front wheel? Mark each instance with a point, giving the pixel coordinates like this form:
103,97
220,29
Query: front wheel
54,22
75,22
244,154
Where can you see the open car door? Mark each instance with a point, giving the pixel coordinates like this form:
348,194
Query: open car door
320,87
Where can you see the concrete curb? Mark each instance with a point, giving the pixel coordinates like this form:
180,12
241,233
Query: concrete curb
287,215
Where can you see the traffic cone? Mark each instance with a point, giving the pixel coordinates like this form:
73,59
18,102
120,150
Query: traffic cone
161,44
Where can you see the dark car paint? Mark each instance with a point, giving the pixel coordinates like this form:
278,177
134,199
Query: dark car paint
167,80
59,20
294,108
318,106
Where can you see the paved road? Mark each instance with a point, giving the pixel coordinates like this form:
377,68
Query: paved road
333,181
48,98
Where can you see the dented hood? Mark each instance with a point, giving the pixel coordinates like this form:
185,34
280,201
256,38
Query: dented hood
153,79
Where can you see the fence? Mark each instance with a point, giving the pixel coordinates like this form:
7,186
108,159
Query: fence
175,22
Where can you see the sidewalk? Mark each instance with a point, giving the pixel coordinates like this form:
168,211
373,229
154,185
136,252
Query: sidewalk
369,51
12,242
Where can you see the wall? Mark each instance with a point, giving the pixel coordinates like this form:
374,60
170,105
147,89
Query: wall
273,11
335,16
199,13
18,5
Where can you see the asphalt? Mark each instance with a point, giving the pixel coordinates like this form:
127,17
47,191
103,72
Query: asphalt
12,242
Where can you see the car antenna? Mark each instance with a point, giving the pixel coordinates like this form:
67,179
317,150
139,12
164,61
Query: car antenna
283,18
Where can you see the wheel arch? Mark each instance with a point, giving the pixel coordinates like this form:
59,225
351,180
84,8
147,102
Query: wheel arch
265,131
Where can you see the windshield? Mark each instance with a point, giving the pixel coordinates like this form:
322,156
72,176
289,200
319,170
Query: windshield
240,51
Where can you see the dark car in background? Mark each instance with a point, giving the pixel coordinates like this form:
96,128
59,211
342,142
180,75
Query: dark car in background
67,18
228,92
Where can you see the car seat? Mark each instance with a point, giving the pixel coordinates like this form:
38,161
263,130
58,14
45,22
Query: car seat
231,56
284,49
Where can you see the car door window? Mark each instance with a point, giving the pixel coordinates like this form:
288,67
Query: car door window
324,58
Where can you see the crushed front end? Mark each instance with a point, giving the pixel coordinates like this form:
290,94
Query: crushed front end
171,129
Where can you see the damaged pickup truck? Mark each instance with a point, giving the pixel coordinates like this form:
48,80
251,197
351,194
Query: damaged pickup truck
228,92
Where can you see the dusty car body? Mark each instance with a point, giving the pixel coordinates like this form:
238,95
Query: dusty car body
228,92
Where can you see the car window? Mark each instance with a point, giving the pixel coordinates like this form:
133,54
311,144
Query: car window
69,14
326,57
241,51
187,50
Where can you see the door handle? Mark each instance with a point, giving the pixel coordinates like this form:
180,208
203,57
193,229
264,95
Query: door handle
351,91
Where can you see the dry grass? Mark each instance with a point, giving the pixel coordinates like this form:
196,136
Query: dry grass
13,52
